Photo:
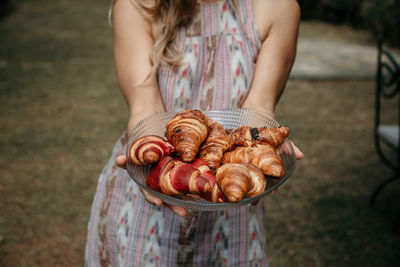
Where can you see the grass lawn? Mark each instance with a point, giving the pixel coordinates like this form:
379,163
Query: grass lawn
61,112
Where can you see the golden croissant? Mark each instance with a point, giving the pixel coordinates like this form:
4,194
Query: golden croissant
186,131
213,148
239,180
149,149
263,156
246,136
273,136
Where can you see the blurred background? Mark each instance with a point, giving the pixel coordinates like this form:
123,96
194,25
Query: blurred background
61,112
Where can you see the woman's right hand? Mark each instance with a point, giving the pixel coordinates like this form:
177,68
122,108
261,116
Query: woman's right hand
132,50
121,162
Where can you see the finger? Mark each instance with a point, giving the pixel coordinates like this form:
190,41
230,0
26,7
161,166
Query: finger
178,210
158,202
297,151
121,161
150,198
255,202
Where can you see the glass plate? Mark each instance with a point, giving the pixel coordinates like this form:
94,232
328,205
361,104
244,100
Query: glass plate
230,119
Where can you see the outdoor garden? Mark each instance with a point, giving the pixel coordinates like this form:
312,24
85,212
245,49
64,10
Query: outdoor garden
61,113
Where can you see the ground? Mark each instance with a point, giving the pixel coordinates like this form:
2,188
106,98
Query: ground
61,112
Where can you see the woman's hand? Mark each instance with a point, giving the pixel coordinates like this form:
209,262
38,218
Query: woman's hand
132,51
121,162
297,152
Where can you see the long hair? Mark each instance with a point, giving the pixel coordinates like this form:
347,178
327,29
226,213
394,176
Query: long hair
168,16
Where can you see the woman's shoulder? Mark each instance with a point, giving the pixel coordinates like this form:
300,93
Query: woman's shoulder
131,12
269,12
274,6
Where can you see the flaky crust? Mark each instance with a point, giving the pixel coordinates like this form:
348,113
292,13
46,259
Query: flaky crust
246,136
173,177
239,180
263,156
273,136
149,149
212,150
186,131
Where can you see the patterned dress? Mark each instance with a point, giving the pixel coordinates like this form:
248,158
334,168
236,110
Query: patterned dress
220,47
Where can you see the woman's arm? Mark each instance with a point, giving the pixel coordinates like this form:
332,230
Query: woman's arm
133,44
278,23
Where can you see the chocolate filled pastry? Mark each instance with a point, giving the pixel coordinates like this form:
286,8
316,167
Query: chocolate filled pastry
246,136
273,136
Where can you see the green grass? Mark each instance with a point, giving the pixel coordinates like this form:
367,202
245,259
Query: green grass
61,112
321,217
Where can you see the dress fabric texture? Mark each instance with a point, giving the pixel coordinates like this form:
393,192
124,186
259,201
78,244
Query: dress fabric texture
220,46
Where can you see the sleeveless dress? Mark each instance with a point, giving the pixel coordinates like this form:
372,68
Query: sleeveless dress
220,47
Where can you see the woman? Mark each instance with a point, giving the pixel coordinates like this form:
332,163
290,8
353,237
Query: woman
174,55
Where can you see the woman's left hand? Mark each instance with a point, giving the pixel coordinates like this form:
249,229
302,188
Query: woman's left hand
297,151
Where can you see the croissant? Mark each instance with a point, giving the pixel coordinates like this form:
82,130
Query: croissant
212,150
263,156
216,195
173,177
157,171
149,149
186,131
240,137
246,136
273,136
239,180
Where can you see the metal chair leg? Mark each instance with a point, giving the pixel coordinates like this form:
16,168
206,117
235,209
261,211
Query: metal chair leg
381,186
396,225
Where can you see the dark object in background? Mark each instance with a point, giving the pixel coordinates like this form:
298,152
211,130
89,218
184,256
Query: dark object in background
6,7
334,11
380,17
387,132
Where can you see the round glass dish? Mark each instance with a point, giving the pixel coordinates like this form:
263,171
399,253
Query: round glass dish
230,119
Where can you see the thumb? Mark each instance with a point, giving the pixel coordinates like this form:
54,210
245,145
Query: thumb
121,161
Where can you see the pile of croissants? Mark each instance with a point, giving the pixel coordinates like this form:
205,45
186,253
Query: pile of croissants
202,159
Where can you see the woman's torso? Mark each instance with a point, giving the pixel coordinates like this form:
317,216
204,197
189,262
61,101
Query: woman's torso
219,46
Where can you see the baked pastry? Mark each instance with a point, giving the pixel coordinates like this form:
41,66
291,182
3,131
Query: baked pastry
213,148
239,180
263,156
149,149
186,131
